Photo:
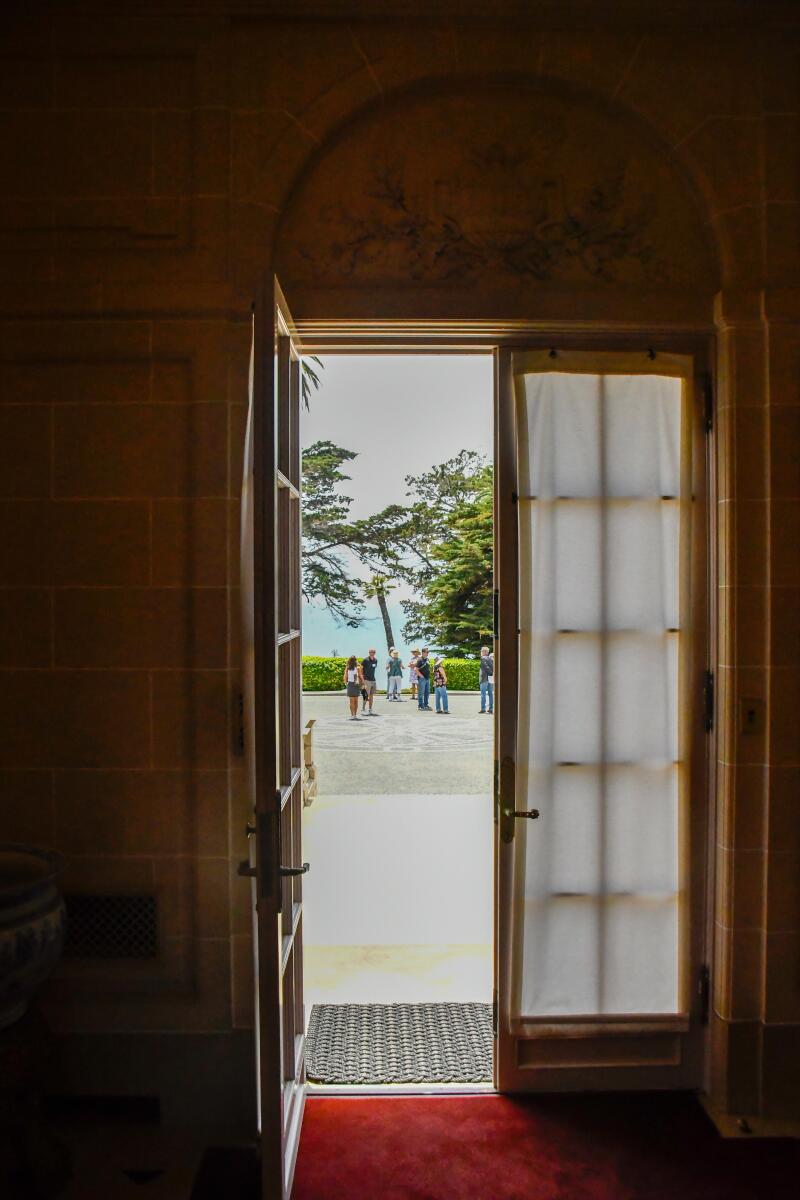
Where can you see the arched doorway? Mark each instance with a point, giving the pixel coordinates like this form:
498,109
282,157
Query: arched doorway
514,216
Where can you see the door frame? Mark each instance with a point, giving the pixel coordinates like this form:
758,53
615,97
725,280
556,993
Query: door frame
502,338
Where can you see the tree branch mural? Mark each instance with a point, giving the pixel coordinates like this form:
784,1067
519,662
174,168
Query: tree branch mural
594,231
498,190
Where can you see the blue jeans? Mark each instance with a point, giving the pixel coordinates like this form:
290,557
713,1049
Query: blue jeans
423,692
487,689
441,699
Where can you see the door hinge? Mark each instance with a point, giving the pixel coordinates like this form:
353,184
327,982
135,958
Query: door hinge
494,1013
708,403
704,992
708,701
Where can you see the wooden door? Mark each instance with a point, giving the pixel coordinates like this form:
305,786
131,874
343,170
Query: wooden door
601,739
271,564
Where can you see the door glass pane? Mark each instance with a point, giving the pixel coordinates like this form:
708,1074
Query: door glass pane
598,876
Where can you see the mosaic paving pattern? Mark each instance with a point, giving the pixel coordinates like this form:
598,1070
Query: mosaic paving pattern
399,1043
426,731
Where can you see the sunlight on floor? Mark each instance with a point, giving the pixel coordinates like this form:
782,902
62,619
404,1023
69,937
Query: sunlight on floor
397,974
398,902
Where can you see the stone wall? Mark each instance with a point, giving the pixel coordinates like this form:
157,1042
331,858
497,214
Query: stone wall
156,167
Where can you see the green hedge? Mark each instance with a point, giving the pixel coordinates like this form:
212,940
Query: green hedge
325,674
463,674
322,674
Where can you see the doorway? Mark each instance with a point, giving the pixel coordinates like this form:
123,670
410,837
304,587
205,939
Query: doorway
397,456
548,1044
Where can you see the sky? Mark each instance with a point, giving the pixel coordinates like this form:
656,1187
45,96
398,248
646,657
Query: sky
401,414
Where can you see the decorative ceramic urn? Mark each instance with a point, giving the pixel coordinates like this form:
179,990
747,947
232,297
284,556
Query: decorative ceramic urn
32,923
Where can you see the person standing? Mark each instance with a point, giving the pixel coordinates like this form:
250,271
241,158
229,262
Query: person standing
395,671
353,680
412,673
440,686
487,679
423,681
368,667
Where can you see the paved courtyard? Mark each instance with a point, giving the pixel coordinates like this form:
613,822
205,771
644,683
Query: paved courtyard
398,902
456,750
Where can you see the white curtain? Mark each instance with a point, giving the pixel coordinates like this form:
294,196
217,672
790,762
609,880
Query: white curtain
598,754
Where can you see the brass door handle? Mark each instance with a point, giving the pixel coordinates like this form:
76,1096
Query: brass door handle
506,784
306,867
245,869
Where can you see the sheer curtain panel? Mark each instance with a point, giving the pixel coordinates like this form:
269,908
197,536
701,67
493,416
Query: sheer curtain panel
602,515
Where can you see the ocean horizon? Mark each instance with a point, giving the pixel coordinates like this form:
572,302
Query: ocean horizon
322,635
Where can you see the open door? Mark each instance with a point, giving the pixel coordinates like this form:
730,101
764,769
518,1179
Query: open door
272,695
601,793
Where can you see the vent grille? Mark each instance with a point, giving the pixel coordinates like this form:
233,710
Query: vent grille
111,927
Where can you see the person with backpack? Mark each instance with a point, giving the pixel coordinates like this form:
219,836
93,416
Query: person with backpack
440,686
353,681
487,679
423,681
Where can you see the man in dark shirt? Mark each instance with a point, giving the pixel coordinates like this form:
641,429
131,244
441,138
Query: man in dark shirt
368,666
487,679
423,681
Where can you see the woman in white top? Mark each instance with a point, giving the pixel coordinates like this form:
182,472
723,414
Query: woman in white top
353,681
412,673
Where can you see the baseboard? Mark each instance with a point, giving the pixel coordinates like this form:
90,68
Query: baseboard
197,1078
749,1125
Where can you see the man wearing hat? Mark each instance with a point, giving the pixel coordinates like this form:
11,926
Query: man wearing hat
394,672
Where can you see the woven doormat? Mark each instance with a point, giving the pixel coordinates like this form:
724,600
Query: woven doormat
400,1043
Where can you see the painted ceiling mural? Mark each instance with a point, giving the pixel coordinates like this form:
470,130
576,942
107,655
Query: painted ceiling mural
520,186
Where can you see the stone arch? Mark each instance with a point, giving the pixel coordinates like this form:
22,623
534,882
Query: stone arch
454,191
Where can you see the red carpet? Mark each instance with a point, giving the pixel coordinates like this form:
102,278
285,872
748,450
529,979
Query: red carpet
624,1147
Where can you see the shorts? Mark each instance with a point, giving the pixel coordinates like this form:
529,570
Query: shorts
354,689
369,686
